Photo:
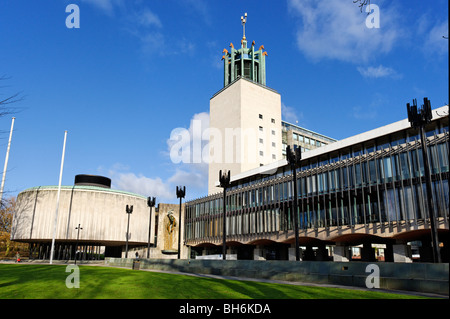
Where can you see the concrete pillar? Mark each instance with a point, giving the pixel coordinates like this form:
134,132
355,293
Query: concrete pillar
341,253
258,253
291,253
402,253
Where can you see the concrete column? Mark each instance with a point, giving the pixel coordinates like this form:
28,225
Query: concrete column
402,253
291,253
258,253
341,253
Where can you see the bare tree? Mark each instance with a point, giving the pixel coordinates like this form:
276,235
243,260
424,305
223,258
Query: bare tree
6,109
362,4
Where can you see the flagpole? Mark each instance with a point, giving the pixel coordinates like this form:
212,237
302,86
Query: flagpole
6,160
57,199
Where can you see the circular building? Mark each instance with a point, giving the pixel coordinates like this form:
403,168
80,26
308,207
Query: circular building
92,219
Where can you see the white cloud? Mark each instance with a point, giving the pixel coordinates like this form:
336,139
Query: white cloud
187,145
336,29
142,185
106,6
196,176
378,72
434,43
289,114
147,18
200,8
192,175
370,110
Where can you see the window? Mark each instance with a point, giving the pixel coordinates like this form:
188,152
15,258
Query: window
261,153
273,120
273,132
261,128
260,116
261,140
274,144
273,156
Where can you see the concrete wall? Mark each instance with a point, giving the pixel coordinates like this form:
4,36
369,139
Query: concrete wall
100,212
236,110
419,277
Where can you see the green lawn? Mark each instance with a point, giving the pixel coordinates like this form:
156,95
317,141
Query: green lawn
49,282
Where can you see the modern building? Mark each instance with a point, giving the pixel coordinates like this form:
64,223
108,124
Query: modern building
299,137
362,198
366,192
246,128
91,218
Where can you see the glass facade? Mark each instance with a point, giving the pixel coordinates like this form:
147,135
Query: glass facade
376,181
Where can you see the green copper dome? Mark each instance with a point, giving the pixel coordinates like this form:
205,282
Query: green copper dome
244,62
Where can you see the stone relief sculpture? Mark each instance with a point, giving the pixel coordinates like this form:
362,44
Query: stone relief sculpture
172,223
169,235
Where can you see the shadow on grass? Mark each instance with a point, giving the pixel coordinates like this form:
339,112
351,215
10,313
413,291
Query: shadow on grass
49,282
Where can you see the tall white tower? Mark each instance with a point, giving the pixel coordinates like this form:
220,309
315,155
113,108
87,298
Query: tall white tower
245,115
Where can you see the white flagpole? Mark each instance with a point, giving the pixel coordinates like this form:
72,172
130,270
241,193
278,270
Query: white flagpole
6,160
57,199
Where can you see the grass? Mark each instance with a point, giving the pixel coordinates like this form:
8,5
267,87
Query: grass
24,281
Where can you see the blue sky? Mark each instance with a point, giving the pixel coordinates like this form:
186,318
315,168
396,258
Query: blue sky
136,70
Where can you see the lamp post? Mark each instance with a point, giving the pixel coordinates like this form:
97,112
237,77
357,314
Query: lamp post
150,203
78,237
225,183
418,119
129,210
181,192
294,161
